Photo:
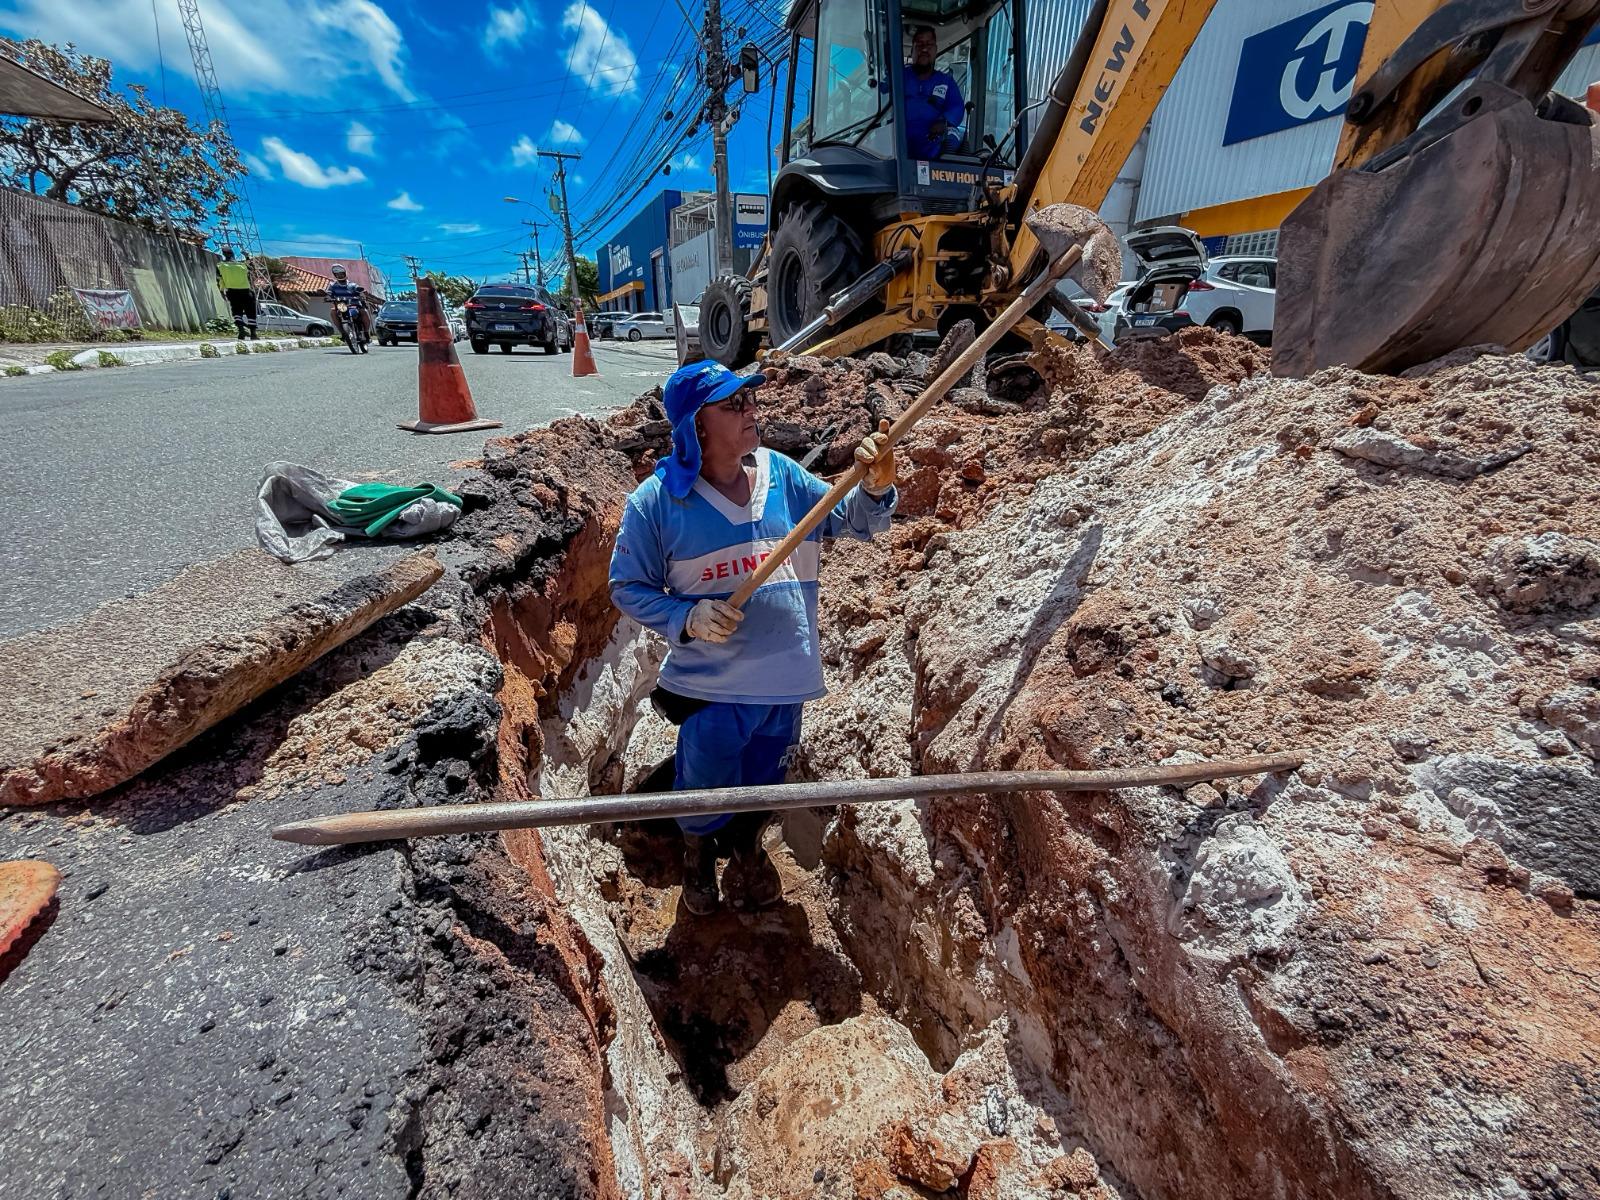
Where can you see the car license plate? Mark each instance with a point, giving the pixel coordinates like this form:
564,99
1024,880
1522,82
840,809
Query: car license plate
1144,320
505,326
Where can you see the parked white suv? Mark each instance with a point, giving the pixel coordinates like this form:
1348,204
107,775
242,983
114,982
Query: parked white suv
1183,286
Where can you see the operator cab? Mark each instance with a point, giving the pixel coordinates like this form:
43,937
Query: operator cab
850,64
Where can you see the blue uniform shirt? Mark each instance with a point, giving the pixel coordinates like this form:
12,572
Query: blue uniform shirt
672,553
926,101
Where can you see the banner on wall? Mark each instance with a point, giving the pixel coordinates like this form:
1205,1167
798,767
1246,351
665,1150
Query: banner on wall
108,308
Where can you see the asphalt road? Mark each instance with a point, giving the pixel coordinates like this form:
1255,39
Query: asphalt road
112,481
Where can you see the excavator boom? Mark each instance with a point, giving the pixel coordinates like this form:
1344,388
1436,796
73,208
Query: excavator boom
1449,220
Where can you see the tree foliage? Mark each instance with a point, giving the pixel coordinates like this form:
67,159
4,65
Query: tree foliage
588,281
456,289
275,268
149,165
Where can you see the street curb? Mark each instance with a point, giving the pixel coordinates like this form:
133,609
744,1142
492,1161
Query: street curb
138,356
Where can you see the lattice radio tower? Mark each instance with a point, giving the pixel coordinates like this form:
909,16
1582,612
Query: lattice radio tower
205,75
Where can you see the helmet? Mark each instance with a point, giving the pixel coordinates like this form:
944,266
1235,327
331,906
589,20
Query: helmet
338,270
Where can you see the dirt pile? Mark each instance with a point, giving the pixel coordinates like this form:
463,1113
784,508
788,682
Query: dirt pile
1373,978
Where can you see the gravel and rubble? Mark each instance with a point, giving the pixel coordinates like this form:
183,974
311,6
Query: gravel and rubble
1373,977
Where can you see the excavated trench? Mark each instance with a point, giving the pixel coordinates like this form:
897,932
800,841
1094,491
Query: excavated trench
1302,987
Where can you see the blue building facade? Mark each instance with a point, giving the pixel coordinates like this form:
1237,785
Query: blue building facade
635,263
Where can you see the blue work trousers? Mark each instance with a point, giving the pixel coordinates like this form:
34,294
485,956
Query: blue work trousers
733,745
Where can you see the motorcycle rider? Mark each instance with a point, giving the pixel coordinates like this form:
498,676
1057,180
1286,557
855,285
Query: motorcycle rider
341,289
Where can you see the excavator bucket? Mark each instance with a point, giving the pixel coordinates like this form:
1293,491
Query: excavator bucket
1480,229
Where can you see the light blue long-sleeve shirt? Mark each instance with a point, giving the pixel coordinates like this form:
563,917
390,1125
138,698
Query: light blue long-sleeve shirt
672,553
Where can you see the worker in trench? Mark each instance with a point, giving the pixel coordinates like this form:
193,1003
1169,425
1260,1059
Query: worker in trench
734,681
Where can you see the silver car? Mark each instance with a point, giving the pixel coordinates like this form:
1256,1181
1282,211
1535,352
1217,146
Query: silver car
283,319
644,325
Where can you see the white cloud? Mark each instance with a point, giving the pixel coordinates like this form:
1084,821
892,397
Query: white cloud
562,134
685,162
291,47
358,139
469,227
257,168
524,152
368,25
507,27
599,55
305,170
404,203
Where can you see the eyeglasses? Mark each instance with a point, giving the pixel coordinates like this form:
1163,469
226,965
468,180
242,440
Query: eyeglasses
741,400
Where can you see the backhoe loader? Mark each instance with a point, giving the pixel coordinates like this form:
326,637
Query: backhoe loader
1461,208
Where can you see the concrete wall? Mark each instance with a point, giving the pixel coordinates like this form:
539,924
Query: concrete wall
174,283
46,246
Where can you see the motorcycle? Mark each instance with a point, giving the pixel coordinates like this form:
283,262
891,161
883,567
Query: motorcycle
352,326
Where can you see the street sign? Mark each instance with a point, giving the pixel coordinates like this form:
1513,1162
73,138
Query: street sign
749,220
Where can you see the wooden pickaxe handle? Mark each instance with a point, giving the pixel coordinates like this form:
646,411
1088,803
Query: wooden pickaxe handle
935,391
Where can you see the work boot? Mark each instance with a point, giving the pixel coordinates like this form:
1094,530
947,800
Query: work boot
753,878
699,875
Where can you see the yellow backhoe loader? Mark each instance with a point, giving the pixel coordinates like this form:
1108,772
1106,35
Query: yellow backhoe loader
1462,206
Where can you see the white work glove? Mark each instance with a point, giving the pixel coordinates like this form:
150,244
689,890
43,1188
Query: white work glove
713,620
878,457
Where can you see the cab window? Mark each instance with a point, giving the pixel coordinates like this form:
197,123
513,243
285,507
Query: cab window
801,69
975,51
851,104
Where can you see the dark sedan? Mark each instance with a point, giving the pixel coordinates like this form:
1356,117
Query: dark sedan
516,314
396,323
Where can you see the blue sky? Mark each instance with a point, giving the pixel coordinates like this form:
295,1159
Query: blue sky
402,124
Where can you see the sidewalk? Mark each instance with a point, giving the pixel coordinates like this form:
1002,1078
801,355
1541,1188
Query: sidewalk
42,358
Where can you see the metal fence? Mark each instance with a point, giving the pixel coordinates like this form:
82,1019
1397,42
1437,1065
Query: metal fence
67,274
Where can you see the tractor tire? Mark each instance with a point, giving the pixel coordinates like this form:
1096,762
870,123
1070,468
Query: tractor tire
814,254
725,322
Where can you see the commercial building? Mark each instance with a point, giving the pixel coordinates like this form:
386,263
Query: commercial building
1248,126
635,265
1252,119
666,251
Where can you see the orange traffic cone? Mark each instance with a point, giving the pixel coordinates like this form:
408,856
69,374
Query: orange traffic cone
443,399
582,354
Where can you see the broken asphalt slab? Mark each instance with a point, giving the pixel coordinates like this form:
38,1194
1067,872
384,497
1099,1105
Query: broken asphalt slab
89,705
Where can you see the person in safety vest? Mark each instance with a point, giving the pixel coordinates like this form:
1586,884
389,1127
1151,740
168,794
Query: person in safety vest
234,280
734,680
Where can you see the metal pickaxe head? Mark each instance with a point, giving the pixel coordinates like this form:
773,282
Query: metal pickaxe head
1059,227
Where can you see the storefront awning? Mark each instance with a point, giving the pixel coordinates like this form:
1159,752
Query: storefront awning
636,286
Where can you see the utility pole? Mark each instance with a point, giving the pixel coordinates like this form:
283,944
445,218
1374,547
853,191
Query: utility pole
414,264
538,263
566,217
717,115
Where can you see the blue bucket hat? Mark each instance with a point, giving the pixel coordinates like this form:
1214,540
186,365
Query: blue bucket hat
690,389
